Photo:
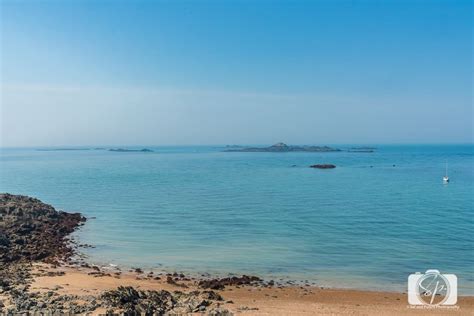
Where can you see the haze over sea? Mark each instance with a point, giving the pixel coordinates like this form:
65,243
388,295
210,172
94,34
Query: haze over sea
201,210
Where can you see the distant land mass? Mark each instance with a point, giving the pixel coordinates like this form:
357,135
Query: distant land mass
282,147
363,149
123,150
233,146
276,148
120,150
61,149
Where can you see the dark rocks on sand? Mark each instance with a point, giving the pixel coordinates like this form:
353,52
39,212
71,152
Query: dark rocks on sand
170,280
138,270
33,231
132,301
323,166
219,284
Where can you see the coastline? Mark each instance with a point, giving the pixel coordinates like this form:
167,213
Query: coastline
40,275
245,299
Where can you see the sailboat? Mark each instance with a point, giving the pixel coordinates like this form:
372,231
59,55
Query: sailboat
446,178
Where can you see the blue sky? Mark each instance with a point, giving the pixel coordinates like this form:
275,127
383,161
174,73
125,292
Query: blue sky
218,72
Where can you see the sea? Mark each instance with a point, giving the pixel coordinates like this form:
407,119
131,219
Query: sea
367,224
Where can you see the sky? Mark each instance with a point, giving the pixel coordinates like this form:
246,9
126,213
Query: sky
81,73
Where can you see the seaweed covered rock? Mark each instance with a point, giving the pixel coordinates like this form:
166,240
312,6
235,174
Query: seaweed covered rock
220,284
128,300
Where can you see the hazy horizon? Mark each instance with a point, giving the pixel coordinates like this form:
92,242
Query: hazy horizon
141,146
208,73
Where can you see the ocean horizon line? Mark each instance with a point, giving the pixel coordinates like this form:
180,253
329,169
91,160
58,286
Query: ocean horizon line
239,144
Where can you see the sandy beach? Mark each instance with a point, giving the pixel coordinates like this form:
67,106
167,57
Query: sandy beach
245,300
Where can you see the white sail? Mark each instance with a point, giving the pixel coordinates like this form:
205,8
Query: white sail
446,178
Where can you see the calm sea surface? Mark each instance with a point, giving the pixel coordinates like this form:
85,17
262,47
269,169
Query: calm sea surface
200,210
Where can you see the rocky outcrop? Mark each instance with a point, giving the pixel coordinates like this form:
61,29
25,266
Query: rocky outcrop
323,166
128,300
123,300
282,147
31,230
220,284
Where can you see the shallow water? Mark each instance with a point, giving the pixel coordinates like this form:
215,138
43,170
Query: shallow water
197,209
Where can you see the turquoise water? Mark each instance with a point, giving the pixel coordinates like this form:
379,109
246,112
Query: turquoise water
197,209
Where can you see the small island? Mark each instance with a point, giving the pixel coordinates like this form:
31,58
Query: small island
323,166
363,149
61,149
282,148
123,150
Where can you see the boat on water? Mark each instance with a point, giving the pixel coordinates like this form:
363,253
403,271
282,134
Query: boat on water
446,178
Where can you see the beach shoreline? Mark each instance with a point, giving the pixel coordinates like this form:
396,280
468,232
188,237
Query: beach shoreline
251,299
41,270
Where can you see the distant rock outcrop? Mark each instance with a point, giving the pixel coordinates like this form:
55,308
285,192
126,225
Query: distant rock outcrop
323,166
62,149
362,149
282,147
123,150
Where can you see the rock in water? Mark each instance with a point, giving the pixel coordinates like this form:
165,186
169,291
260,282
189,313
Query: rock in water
323,166
124,150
